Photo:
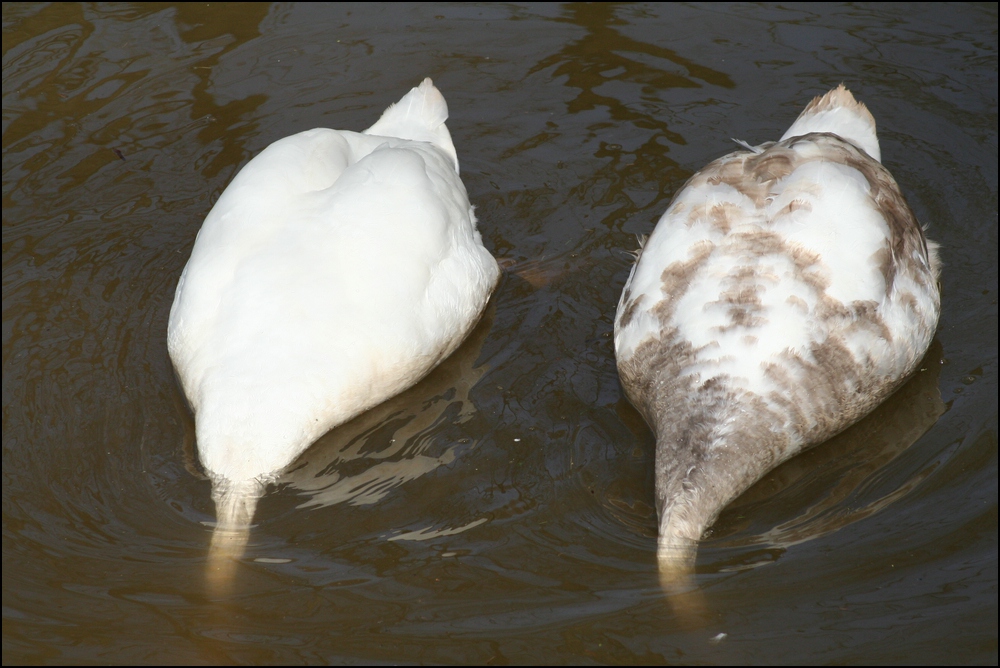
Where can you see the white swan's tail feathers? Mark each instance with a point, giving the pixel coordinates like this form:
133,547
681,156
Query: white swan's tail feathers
419,116
839,113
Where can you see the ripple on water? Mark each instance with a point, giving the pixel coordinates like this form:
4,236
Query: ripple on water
502,510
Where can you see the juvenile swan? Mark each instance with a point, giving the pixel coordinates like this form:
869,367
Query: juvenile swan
336,270
787,290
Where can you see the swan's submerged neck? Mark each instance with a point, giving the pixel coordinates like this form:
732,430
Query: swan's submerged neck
711,446
235,504
699,471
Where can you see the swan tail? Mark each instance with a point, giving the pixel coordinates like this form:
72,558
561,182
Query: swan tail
419,116
839,113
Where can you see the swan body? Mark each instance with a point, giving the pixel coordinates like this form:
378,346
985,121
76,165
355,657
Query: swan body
335,271
787,290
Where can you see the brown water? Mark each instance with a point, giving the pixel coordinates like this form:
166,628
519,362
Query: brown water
500,511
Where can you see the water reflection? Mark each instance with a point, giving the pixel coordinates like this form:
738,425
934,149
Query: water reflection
837,483
575,124
604,53
364,460
599,65
218,31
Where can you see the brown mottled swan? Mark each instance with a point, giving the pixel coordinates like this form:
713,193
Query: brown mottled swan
787,291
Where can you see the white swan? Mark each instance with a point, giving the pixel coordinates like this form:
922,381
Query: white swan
787,290
336,270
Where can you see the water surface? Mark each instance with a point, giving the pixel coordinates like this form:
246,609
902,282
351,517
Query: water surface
501,510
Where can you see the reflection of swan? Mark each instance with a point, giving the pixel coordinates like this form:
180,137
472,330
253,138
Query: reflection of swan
336,270
824,481
394,437
787,290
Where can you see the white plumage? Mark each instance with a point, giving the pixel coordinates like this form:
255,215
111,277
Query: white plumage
787,290
336,270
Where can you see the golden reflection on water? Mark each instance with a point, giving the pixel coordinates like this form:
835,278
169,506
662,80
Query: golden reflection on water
501,511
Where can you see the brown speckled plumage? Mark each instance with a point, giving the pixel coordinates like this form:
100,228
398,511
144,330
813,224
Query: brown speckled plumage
785,293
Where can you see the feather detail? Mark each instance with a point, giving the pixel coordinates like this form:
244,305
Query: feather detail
786,291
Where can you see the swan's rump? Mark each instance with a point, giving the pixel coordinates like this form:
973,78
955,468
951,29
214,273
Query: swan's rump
791,292
304,308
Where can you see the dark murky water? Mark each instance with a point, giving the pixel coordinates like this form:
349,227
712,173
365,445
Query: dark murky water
500,511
